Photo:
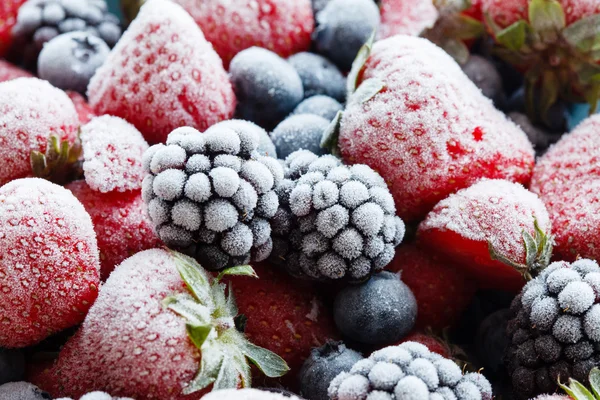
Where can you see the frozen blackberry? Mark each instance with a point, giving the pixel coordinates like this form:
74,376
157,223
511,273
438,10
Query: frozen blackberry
334,221
556,328
40,21
408,371
211,195
265,144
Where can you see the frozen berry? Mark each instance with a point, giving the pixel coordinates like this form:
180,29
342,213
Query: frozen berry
300,132
319,76
320,105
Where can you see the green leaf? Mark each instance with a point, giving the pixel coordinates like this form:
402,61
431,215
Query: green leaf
469,28
210,365
232,307
198,333
530,248
595,381
358,64
584,34
546,16
194,277
187,307
581,393
330,138
457,49
228,375
367,90
549,95
268,362
240,270
514,36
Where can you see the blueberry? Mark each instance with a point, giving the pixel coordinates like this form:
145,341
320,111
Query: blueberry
44,35
320,105
319,5
324,364
71,59
299,132
539,137
319,76
109,32
484,74
22,391
267,87
12,365
378,312
343,26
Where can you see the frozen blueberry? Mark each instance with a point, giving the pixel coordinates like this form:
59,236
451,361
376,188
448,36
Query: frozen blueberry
320,105
484,74
299,132
267,87
343,26
378,312
22,391
71,59
12,365
319,76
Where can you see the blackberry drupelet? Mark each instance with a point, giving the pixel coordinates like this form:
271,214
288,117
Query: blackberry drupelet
555,331
211,195
334,221
408,371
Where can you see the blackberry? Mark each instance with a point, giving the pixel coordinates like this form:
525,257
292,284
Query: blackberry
211,195
40,21
334,221
408,371
555,329
22,391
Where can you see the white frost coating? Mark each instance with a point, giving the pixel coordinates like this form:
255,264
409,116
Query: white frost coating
406,17
245,394
113,151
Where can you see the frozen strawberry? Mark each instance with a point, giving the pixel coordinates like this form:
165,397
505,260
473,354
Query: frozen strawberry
163,74
82,107
31,111
9,71
486,227
281,26
406,17
49,266
161,328
112,151
8,17
442,291
418,120
284,315
122,225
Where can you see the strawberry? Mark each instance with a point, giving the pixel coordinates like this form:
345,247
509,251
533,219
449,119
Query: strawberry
567,179
483,229
8,17
284,315
442,291
31,112
406,17
9,71
161,328
84,110
163,74
121,223
49,266
425,127
433,343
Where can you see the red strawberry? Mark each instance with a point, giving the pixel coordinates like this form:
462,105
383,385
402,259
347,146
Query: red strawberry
282,26
121,223
163,74
82,107
492,216
8,17
426,128
442,291
49,266
9,72
161,328
406,17
31,110
433,343
285,315
567,179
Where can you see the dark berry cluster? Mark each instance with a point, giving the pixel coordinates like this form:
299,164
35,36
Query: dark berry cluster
408,371
211,195
555,331
334,221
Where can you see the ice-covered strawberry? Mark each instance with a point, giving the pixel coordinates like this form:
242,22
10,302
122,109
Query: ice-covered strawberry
163,74
406,17
121,222
425,127
31,111
49,266
84,110
488,226
9,71
161,328
8,17
112,150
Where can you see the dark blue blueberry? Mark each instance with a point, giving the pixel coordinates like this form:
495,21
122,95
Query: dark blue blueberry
299,132
320,105
377,312
319,76
267,87
109,32
324,364
484,74
319,5
22,391
71,59
12,365
343,26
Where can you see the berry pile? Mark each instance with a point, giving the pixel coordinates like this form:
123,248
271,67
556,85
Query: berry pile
299,199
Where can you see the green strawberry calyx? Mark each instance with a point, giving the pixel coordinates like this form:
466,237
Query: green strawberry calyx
210,316
538,252
59,163
579,392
